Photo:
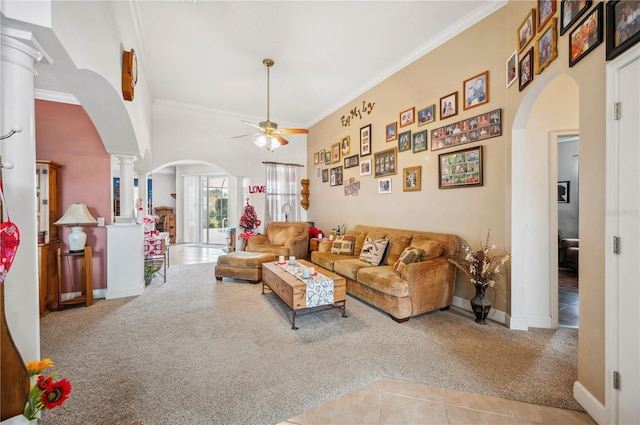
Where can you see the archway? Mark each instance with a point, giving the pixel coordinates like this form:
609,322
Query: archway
547,111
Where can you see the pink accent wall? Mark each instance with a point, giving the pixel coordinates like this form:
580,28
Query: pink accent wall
65,134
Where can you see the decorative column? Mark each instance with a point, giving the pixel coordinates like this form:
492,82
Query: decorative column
126,184
143,191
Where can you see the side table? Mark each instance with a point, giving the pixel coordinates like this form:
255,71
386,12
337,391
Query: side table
85,271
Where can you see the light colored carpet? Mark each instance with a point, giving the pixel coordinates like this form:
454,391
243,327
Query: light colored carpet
197,351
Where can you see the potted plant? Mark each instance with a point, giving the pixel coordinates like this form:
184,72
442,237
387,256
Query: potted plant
149,270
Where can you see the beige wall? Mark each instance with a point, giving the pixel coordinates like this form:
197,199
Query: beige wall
469,212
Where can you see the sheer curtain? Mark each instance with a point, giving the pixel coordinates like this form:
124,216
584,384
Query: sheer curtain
191,209
282,188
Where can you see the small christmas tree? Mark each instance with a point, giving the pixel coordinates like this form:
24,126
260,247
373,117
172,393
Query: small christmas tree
249,221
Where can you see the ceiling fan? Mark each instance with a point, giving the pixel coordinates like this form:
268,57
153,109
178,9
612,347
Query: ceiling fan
270,136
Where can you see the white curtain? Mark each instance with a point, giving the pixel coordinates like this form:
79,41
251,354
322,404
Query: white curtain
282,188
191,209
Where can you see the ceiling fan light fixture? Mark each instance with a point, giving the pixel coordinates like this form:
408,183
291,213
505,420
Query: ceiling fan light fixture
267,142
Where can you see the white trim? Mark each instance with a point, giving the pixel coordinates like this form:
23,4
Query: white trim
122,293
97,293
498,316
594,408
54,96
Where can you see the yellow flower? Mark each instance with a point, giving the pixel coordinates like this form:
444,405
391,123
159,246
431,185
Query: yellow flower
37,366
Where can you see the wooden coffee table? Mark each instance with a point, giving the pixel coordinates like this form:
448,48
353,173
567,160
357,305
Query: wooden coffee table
293,291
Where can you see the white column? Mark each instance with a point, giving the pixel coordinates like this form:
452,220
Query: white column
143,191
126,184
18,109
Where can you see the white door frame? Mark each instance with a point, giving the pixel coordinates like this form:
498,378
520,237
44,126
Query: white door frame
612,343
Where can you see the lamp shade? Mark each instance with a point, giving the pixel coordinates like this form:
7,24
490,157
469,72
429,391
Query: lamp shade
77,215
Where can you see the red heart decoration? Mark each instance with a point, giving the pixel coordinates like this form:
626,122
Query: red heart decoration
9,241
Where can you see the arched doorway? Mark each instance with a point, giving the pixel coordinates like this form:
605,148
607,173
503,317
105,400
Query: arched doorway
548,110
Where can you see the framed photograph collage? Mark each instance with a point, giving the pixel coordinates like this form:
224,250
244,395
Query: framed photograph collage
474,129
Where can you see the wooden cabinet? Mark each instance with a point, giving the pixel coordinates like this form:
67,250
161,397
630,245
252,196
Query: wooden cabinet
49,210
171,227
166,222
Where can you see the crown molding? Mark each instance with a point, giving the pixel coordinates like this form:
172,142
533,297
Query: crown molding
54,96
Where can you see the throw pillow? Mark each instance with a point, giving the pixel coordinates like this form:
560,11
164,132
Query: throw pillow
342,245
373,250
432,248
408,256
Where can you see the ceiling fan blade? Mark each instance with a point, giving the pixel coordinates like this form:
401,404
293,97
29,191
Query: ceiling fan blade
252,124
293,131
282,140
245,135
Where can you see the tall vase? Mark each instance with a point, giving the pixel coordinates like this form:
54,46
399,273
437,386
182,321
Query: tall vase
480,305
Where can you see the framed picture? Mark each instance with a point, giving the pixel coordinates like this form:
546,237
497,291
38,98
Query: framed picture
351,161
546,46
365,167
327,157
365,140
316,158
546,9
420,141
460,169
587,35
470,130
512,68
571,11
412,179
404,141
318,172
407,117
427,115
335,176
391,131
335,153
449,105
476,90
525,69
322,156
621,33
385,162
384,185
526,30
325,175
563,192
345,145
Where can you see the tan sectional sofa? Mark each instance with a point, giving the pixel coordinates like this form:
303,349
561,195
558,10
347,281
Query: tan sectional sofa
420,287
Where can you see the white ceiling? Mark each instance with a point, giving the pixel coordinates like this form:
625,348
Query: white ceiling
209,53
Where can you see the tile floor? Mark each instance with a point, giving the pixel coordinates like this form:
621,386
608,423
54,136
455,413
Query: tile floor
389,401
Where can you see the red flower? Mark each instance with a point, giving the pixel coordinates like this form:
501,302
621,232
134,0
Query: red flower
44,382
56,393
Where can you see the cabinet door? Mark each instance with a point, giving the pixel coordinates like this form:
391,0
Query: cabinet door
54,200
51,275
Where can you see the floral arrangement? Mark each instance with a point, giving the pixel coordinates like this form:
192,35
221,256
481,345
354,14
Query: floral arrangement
45,393
338,230
479,265
149,270
248,221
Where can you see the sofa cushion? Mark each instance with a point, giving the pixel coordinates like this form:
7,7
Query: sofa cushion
397,243
359,240
327,259
383,279
343,245
349,267
279,233
409,255
432,249
373,250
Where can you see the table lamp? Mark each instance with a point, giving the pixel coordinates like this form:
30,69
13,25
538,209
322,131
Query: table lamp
77,215
286,210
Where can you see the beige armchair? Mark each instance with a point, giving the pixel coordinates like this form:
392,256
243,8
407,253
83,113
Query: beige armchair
282,238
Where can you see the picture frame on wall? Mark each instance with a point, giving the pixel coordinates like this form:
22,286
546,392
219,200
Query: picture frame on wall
327,157
412,179
589,32
461,168
546,46
322,153
345,145
316,158
365,140
384,162
420,141
427,115
525,69
526,30
404,141
391,131
449,105
335,176
476,90
335,153
365,167
545,10
407,117
563,192
512,68
318,172
571,11
384,185
620,33
325,175
351,161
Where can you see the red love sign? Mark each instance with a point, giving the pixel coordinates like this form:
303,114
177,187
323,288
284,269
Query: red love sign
9,241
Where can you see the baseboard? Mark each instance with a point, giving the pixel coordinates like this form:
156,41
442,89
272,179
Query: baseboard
592,405
129,292
69,296
495,315
537,321
516,324
97,294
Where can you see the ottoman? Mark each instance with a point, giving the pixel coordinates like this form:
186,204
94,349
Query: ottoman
242,265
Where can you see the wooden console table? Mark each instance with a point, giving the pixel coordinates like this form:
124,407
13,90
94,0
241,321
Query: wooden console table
86,273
